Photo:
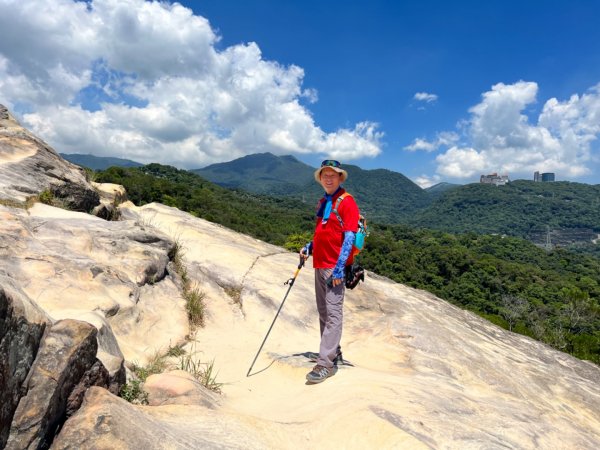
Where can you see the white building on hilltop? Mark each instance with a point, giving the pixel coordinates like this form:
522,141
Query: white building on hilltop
494,178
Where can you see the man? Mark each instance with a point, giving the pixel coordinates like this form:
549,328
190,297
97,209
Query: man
331,248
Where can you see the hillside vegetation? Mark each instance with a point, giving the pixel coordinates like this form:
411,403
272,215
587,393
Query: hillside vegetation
386,196
566,213
550,296
261,173
267,218
521,208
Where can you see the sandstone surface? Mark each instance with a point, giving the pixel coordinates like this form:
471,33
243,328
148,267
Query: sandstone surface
178,387
29,166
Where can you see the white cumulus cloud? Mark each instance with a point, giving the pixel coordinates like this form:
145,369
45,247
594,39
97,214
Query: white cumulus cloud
143,80
444,138
500,137
425,181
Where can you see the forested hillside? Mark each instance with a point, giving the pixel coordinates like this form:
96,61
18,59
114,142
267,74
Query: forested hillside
551,296
567,214
270,219
520,208
261,173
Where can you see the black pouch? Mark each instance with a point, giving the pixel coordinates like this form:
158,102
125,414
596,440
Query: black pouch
353,275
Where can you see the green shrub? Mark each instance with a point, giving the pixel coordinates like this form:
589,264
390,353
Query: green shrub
133,393
296,241
46,197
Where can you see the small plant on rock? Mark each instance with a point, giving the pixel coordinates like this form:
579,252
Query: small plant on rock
175,351
195,306
46,197
133,391
203,372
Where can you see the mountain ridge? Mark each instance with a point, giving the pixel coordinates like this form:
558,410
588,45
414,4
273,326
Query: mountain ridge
98,162
385,195
521,208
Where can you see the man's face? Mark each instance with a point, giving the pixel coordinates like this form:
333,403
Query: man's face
330,180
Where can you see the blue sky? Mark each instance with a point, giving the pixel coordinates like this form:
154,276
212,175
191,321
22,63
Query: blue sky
436,90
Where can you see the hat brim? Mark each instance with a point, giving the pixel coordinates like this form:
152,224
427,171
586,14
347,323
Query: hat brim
337,169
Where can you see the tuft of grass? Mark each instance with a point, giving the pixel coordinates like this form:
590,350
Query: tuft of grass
209,378
157,364
133,391
176,255
194,298
175,351
32,200
195,306
203,372
29,201
13,203
147,219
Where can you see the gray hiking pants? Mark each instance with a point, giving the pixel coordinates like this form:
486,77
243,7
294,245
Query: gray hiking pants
330,303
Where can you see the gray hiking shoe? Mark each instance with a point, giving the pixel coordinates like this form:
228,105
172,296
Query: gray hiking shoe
319,374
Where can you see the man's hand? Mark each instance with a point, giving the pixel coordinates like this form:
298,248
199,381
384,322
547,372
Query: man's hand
337,281
333,282
305,251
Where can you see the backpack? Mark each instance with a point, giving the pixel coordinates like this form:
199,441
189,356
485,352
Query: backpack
354,273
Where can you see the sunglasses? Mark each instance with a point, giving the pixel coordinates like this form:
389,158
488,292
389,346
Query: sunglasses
331,163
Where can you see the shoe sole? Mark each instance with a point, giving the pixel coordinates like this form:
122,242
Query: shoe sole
316,381
334,371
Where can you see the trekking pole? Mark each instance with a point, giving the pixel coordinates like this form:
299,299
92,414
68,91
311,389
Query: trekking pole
291,283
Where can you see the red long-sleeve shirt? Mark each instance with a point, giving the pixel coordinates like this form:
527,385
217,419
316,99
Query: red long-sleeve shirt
328,237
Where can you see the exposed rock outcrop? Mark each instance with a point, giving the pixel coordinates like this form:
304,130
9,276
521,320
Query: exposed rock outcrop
22,325
74,263
65,367
28,166
178,387
111,196
106,422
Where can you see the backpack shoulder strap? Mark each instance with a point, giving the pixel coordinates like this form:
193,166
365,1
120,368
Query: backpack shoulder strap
337,204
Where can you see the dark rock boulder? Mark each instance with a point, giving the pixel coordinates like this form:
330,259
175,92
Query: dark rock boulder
22,325
65,367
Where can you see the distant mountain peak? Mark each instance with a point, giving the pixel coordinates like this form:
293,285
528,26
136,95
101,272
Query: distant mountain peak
98,162
384,194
